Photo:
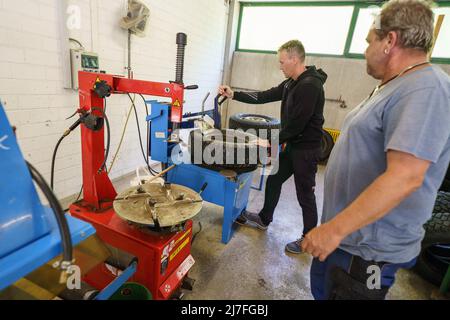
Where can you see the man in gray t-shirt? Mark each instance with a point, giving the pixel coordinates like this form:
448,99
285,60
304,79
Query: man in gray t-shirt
390,159
411,115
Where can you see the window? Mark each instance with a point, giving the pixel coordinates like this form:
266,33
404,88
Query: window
266,28
442,46
325,28
366,17
365,20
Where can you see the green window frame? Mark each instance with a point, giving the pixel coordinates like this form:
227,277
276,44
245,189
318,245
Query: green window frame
357,5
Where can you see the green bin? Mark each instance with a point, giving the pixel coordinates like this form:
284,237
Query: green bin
132,291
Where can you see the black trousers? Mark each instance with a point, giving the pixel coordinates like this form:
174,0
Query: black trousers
303,165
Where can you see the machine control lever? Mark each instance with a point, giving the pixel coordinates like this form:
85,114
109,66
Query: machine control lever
203,188
193,87
220,102
204,101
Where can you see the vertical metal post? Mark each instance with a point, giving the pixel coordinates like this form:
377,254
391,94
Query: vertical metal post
181,43
129,54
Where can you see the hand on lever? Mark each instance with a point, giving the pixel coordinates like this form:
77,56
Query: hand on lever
226,92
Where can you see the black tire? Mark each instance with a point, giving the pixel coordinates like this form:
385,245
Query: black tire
446,183
246,121
236,142
326,145
434,258
442,203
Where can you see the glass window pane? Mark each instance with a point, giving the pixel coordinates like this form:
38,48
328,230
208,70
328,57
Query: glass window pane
267,28
365,20
442,46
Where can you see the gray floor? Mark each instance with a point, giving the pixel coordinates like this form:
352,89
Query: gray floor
254,265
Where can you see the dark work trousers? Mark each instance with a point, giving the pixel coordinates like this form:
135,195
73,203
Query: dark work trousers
343,276
303,165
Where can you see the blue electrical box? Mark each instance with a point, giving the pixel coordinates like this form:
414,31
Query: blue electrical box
160,131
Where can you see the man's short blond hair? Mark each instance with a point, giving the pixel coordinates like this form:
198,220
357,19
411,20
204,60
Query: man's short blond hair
294,47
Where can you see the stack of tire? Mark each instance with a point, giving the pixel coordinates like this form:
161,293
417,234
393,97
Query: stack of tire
434,259
231,141
246,121
327,146
261,125
256,122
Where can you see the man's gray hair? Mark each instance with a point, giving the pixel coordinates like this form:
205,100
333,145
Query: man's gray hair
296,47
412,20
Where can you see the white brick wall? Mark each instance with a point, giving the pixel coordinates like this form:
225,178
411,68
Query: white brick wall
31,73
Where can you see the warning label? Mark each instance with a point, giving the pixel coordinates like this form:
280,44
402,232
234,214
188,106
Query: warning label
177,103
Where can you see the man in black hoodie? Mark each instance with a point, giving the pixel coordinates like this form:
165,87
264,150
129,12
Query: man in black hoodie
302,102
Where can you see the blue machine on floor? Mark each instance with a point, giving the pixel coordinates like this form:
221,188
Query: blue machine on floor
29,234
229,192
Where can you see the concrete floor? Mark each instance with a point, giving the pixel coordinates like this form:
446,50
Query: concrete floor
254,265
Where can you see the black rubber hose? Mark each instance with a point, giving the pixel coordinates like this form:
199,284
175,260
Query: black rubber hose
58,212
79,194
149,128
196,234
139,133
108,140
145,104
52,175
55,151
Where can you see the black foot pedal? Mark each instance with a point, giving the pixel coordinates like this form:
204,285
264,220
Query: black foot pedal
188,284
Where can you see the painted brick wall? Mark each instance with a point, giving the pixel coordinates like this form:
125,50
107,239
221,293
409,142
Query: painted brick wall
31,73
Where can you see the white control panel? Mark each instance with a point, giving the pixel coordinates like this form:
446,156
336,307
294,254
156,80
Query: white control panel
81,60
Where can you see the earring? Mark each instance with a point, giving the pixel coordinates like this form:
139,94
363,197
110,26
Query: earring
386,51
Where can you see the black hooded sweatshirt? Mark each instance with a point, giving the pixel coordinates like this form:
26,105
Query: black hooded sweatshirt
302,103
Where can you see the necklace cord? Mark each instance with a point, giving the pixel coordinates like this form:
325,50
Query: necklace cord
398,75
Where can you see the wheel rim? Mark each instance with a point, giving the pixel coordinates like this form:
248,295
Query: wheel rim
256,119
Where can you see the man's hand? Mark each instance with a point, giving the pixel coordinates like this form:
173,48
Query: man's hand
226,91
320,242
261,143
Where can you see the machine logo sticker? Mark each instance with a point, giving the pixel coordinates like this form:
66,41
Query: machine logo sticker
165,254
171,245
3,147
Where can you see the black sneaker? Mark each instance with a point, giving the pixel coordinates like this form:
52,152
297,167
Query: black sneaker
295,246
254,220
242,220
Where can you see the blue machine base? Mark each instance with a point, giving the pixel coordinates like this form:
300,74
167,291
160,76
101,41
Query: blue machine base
230,194
21,262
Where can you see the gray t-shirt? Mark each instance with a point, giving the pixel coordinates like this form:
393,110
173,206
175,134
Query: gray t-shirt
410,114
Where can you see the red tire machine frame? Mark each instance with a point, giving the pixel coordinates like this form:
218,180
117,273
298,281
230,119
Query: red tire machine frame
163,259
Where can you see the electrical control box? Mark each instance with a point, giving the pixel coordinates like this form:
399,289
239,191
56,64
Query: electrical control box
81,60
